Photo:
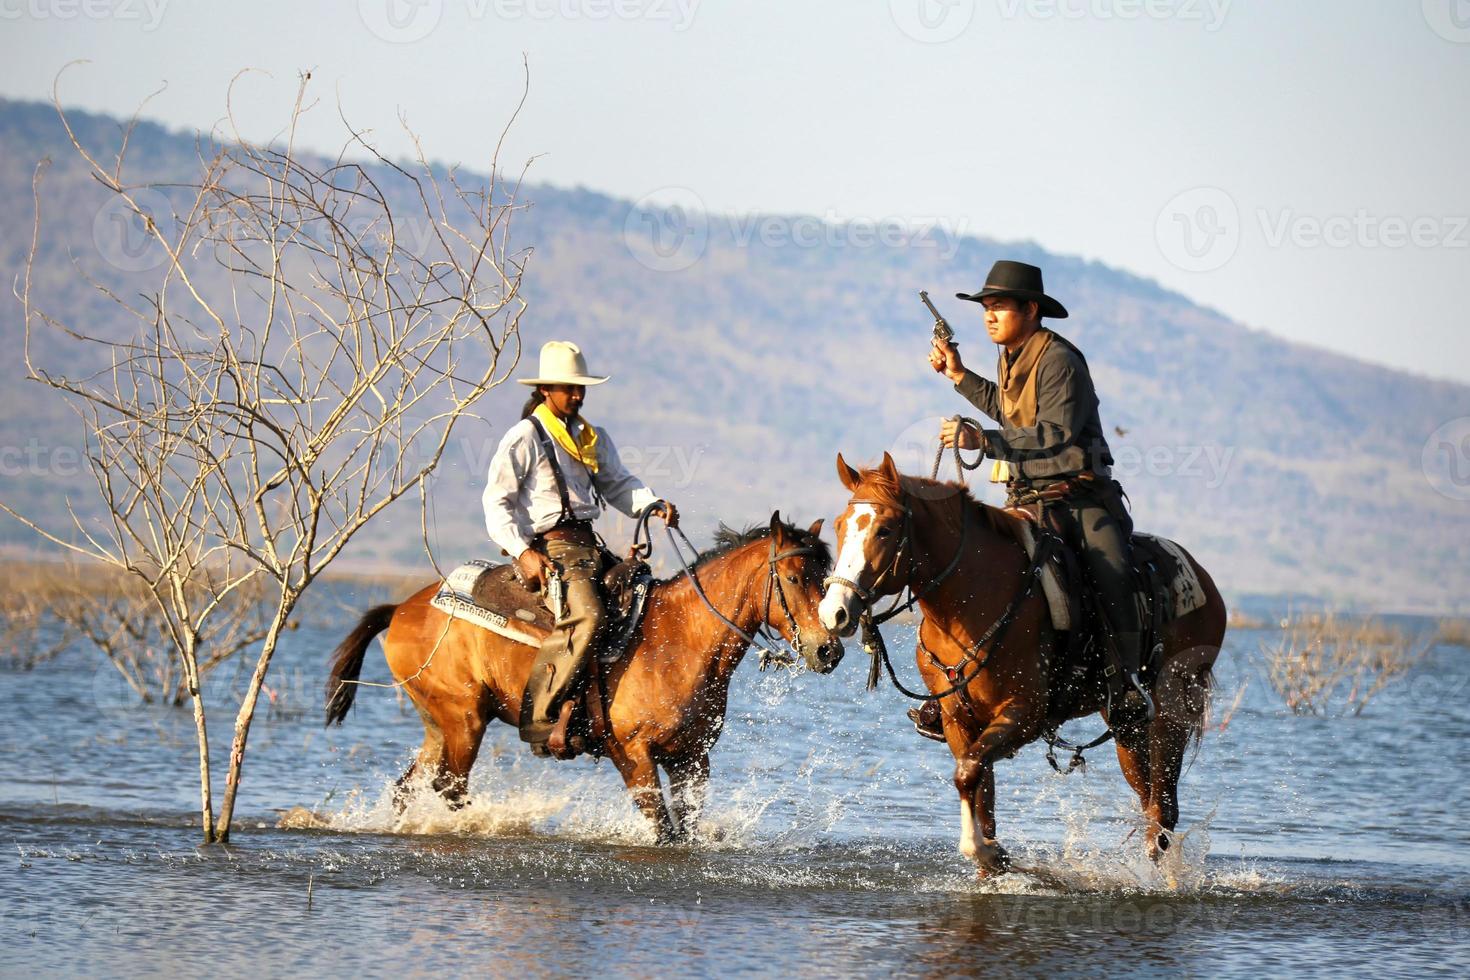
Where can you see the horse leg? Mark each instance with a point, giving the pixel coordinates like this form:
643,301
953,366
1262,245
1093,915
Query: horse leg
430,757
688,788
640,775
1133,759
974,779
463,725
1168,744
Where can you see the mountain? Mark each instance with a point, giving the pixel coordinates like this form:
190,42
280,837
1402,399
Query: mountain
746,351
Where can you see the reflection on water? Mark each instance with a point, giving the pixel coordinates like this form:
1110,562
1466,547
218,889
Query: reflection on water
1309,845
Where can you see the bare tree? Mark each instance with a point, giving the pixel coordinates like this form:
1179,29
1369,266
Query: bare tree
315,334
1318,656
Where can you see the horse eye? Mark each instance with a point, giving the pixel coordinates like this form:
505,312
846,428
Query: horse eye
791,579
883,532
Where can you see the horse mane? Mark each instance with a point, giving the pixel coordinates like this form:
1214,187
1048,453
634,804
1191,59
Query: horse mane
728,539
881,490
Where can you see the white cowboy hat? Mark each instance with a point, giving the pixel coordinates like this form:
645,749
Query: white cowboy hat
562,363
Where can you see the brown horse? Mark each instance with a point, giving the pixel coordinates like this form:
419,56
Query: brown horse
666,695
904,532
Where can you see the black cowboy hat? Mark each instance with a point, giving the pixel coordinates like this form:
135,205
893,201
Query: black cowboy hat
1018,279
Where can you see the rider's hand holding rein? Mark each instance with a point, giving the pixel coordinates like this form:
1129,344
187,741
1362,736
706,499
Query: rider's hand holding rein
944,358
668,512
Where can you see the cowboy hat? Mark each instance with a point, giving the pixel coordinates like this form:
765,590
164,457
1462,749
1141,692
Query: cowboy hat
1021,281
562,363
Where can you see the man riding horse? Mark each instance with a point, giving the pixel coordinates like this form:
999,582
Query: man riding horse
549,480
1050,449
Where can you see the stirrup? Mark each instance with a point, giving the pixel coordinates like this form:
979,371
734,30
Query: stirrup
1148,701
916,716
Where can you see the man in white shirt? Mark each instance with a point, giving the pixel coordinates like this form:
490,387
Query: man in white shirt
548,482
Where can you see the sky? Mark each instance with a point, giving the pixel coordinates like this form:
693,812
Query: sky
1298,165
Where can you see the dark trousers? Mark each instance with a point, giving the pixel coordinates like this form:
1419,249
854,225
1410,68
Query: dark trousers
1099,529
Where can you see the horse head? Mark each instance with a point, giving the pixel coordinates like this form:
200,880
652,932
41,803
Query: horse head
873,535
798,563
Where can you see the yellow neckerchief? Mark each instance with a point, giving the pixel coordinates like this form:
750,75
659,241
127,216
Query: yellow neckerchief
582,449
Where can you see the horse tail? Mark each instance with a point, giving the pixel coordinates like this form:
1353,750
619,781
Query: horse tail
347,661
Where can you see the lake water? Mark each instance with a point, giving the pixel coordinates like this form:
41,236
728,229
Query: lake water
1310,845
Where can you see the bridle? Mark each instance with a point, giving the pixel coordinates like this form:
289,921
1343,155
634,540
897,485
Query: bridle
868,597
763,639
959,676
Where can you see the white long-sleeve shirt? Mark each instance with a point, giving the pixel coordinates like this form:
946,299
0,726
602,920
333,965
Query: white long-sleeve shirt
520,496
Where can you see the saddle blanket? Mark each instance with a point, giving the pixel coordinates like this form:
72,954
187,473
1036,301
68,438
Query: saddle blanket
1180,581
489,595
456,597
1184,585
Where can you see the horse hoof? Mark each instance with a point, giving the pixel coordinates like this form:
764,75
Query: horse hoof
991,859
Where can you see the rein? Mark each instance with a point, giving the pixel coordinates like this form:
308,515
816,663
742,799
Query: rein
873,642
957,675
769,652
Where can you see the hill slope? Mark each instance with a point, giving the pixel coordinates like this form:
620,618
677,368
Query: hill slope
743,360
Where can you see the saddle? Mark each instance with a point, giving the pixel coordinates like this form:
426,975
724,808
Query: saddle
491,596
1165,587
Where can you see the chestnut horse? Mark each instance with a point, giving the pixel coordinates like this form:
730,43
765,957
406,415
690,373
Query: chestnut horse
969,572
666,696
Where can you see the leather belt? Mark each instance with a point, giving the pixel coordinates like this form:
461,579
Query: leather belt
572,532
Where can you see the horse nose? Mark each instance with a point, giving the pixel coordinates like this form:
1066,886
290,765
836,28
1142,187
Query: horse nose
839,618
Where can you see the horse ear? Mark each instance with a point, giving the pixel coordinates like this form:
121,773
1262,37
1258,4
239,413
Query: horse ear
816,529
889,469
776,525
847,474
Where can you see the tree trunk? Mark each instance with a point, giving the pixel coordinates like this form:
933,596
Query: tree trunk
247,714
196,694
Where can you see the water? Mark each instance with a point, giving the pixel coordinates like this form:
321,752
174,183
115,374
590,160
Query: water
1310,845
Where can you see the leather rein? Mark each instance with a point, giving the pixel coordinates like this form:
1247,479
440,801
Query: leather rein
971,663
767,645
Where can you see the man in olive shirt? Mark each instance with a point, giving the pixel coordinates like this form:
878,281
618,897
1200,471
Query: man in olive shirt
1051,438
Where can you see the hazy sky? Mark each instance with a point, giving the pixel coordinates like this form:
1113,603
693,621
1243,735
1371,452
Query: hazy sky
1297,164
